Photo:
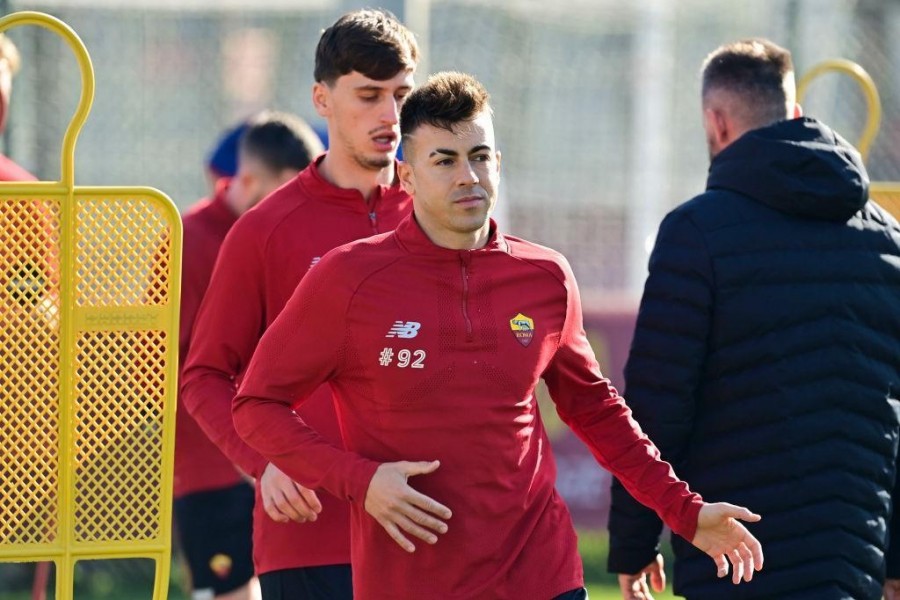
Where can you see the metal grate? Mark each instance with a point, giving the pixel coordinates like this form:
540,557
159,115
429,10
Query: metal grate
888,196
118,435
29,369
114,240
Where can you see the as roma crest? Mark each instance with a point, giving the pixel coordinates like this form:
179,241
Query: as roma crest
523,328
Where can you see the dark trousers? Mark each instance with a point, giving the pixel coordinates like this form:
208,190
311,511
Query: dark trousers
330,582
579,594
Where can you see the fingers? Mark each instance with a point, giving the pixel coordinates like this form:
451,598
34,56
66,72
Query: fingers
737,566
721,565
428,505
413,528
749,563
397,536
755,549
411,469
289,503
634,587
658,581
424,519
740,512
312,500
274,514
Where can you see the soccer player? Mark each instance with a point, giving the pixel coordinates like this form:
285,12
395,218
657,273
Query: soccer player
364,71
434,338
213,502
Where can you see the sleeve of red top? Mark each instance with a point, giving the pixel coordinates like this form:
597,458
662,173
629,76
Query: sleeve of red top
592,407
286,367
225,334
191,295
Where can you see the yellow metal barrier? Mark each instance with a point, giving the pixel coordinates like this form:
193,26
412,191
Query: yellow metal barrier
885,193
89,292
873,101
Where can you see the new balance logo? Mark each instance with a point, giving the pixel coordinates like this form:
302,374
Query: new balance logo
403,330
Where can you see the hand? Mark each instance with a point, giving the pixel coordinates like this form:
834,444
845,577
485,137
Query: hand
399,508
286,500
634,587
892,589
722,537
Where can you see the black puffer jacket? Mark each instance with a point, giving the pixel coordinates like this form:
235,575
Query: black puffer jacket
766,367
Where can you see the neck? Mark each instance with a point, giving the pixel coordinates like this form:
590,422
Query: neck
344,172
455,240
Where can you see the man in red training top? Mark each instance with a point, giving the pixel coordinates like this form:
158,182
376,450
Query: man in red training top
10,61
364,71
213,503
433,339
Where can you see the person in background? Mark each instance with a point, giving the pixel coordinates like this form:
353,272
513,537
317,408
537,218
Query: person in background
766,357
364,69
213,502
223,159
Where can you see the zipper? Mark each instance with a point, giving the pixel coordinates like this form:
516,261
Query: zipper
464,257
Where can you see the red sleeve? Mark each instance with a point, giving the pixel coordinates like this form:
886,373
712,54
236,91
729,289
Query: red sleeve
191,292
227,328
589,404
285,368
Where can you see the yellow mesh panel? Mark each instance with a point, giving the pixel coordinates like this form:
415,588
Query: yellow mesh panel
114,240
887,194
119,435
89,291
29,377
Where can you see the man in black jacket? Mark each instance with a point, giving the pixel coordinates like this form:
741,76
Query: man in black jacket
766,359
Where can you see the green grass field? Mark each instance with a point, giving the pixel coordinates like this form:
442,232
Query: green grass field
134,581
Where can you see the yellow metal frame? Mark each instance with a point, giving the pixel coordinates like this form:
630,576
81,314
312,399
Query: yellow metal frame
870,91
111,313
886,193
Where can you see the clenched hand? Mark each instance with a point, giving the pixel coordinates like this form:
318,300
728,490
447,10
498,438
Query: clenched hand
286,500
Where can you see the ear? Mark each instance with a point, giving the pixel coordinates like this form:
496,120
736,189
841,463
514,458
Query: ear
717,126
497,156
321,98
407,177
286,175
798,111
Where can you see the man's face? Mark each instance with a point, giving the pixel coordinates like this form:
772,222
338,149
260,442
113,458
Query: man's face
453,177
364,116
254,181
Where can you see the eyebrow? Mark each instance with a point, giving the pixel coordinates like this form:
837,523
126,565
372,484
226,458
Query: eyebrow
370,87
449,152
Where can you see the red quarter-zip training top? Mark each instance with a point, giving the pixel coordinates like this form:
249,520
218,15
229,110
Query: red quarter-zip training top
435,354
267,252
199,464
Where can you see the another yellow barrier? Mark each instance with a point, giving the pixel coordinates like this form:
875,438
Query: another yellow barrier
886,193
89,292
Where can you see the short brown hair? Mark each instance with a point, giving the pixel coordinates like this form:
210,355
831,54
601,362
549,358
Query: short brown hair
754,70
444,100
371,42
